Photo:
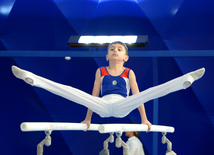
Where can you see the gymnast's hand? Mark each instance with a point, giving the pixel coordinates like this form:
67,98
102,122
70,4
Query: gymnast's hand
88,123
148,124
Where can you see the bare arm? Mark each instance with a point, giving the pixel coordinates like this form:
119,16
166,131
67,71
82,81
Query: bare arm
95,92
141,108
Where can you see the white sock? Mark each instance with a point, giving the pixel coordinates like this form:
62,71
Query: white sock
19,73
197,74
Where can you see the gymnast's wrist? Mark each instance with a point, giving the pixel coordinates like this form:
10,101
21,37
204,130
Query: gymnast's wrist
145,122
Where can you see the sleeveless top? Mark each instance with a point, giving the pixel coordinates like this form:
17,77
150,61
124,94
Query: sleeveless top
115,84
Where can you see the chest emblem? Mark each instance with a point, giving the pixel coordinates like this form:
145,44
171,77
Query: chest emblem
114,82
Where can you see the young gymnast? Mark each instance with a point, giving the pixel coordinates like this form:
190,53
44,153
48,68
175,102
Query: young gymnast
114,83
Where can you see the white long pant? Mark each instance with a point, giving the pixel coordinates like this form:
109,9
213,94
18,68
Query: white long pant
110,105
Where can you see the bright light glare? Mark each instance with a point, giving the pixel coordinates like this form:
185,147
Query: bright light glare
86,39
174,11
5,10
129,39
114,38
107,39
100,39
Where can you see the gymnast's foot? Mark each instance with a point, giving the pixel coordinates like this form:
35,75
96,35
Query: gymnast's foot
197,74
19,72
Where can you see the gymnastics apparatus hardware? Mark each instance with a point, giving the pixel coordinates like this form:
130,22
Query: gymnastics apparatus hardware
46,141
48,127
169,145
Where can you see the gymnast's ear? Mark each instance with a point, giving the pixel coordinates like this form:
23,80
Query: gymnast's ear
107,58
126,58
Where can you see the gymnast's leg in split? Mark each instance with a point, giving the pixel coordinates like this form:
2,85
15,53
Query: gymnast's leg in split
96,104
118,108
124,107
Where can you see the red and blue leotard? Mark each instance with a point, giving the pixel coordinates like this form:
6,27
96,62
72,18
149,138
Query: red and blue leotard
115,84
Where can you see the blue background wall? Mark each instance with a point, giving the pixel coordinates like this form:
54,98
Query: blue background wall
34,35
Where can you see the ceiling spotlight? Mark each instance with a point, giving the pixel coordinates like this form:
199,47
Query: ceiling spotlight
106,39
103,41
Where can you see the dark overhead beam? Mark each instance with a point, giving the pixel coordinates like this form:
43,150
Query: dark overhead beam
188,53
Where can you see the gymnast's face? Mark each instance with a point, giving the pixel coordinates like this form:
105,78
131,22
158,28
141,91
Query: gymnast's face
117,52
